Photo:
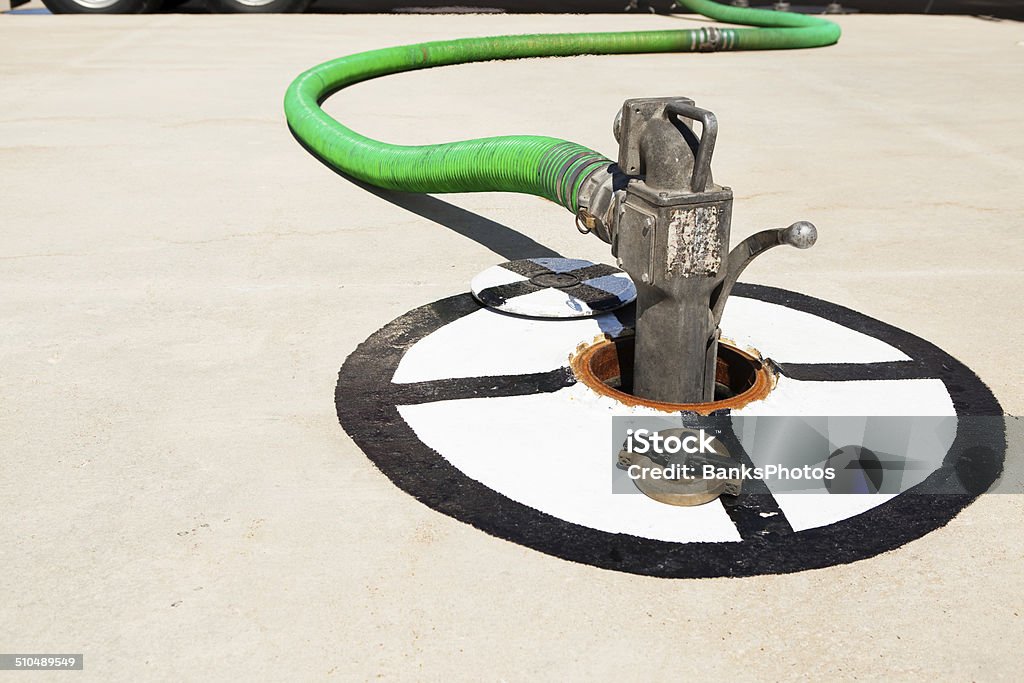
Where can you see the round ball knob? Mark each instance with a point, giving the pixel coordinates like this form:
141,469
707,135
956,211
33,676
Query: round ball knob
800,235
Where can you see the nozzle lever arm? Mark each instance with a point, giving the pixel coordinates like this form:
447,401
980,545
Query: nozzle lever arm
801,235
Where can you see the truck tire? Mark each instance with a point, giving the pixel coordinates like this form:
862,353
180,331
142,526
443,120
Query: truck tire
257,6
102,6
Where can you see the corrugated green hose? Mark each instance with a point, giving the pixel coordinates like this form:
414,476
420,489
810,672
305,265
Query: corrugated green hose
543,166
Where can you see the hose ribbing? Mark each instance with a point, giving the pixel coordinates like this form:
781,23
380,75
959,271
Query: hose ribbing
543,166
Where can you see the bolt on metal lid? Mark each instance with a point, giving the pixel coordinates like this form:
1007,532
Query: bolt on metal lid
553,288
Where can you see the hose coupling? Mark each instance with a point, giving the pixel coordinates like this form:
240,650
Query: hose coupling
710,39
599,199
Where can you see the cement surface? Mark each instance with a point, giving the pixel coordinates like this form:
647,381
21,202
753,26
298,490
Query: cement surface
181,282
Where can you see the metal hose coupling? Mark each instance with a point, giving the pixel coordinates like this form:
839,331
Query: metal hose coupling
668,224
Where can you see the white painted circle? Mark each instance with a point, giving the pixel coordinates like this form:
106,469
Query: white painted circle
548,451
477,415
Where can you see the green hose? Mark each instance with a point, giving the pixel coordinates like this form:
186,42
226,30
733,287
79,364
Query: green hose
543,166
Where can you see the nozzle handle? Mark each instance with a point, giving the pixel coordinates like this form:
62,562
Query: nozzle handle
705,144
801,235
655,144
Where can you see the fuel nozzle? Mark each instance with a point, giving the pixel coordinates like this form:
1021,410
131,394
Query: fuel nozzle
668,224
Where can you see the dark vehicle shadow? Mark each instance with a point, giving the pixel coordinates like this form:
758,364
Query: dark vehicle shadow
1000,9
1008,9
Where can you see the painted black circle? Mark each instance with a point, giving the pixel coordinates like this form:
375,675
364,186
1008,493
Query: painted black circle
366,404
